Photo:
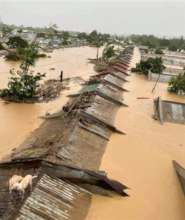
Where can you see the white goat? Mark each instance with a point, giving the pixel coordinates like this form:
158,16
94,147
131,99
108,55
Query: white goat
25,183
13,181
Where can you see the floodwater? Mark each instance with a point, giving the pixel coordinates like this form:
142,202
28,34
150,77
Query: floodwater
17,121
142,159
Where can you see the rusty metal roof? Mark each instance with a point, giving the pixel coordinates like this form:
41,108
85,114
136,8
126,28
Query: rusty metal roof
114,81
102,109
54,199
79,141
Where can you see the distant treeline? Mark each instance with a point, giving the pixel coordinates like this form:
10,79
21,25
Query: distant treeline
151,41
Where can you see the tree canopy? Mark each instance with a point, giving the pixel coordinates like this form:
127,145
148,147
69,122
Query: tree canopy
65,37
152,41
177,84
155,65
17,42
23,83
108,52
1,47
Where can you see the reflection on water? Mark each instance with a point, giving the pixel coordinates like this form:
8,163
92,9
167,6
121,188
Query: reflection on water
142,159
18,120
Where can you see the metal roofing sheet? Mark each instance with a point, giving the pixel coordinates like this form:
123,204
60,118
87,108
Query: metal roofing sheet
53,199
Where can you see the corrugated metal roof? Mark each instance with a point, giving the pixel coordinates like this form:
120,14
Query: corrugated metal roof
84,145
90,88
170,111
53,199
97,129
111,93
120,75
102,109
114,81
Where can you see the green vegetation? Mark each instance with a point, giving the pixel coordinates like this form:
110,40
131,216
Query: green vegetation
6,29
1,47
151,41
17,42
82,36
13,56
19,54
97,40
65,36
23,83
108,52
155,65
159,51
177,84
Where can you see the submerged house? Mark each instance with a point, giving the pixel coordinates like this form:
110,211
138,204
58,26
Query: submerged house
64,154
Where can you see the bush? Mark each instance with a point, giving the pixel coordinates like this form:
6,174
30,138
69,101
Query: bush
23,83
108,52
22,86
177,84
155,65
13,56
1,47
19,54
159,51
17,42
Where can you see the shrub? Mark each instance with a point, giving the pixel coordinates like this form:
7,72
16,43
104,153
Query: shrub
15,42
22,86
155,65
1,47
108,52
23,83
19,54
177,84
13,56
159,51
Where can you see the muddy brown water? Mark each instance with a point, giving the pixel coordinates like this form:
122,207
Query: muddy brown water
143,160
17,121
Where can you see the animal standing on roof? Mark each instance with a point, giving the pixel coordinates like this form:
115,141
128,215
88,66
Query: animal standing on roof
13,181
24,184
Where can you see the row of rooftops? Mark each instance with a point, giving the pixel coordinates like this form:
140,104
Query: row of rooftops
66,177
66,164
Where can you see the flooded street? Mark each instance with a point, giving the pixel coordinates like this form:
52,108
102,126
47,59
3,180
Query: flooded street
18,120
142,159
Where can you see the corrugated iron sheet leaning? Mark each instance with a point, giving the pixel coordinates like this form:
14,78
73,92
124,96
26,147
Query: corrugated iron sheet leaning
65,153
169,111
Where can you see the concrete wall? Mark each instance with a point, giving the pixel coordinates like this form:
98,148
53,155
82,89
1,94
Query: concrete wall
163,77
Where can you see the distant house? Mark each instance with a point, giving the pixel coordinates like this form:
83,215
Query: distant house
144,49
28,35
24,34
